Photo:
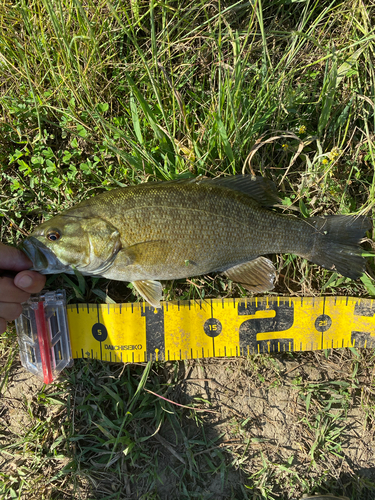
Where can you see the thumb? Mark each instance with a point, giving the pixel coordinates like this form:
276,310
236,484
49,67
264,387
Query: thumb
30,281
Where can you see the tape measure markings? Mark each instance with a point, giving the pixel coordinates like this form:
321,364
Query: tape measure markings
220,327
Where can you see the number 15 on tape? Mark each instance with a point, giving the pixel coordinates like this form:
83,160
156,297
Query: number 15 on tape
137,332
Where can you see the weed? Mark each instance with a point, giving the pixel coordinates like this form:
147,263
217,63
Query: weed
98,95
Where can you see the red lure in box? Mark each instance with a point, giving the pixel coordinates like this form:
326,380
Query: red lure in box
43,335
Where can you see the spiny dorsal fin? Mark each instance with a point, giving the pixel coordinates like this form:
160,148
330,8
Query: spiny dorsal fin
260,189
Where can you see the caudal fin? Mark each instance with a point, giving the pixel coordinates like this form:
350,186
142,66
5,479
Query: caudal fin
337,243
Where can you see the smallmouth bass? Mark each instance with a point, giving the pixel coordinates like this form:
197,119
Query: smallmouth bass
178,229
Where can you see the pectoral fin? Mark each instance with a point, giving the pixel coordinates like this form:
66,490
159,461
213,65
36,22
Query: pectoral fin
257,275
150,290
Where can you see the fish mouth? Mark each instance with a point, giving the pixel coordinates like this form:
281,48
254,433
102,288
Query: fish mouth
44,261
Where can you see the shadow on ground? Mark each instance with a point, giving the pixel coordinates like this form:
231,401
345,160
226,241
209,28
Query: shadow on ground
269,427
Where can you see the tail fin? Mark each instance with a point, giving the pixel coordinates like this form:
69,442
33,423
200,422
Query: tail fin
336,243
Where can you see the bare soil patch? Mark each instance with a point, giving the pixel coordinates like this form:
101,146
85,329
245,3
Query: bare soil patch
273,426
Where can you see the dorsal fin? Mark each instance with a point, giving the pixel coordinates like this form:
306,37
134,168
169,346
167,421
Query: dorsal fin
260,189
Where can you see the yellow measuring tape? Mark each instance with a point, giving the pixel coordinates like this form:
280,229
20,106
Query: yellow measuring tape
219,327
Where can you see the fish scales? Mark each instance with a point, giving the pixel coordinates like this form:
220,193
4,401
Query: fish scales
199,224
172,230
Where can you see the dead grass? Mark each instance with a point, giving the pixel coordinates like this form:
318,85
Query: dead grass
275,427
96,95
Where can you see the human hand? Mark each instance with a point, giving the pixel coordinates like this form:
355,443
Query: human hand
14,291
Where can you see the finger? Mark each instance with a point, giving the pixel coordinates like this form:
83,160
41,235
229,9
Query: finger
10,311
30,281
12,258
3,325
10,293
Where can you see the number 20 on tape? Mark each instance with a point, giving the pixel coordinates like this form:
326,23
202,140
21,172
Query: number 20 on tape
219,327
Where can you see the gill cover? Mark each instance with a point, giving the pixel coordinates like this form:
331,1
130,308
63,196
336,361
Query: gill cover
87,244
104,244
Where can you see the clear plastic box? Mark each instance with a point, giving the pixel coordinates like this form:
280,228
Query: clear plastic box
43,335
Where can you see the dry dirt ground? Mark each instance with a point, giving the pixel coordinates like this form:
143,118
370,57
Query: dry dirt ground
277,426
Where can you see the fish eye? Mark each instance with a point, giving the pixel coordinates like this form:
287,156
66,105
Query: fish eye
53,235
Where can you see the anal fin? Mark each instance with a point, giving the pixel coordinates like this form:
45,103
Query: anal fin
150,290
257,275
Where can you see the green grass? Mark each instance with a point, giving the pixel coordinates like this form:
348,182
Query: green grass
96,95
